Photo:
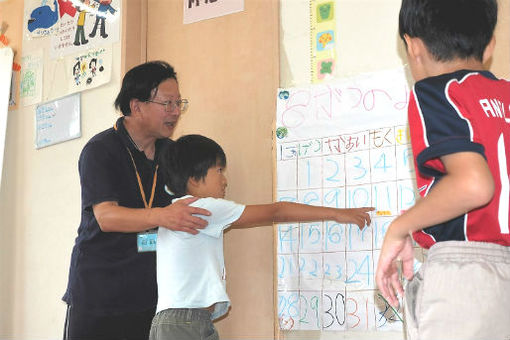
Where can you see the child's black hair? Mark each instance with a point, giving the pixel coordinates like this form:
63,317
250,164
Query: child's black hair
450,28
190,156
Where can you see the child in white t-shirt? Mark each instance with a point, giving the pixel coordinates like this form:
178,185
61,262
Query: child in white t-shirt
190,268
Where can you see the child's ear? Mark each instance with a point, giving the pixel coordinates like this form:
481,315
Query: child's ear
415,47
192,183
487,53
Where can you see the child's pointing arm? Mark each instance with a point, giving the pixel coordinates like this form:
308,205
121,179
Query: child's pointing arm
295,212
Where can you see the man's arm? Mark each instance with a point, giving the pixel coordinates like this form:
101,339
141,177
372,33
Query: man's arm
295,212
178,216
467,185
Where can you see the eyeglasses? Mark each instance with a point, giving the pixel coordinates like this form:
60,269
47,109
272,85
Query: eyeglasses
172,105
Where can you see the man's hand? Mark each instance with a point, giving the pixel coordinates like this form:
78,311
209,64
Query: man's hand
178,216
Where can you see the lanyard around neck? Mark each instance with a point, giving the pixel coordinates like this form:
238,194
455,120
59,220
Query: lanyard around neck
140,185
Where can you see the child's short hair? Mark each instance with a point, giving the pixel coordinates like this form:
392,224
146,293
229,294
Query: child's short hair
190,156
450,28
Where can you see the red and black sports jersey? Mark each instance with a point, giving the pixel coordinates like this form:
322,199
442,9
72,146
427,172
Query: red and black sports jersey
463,111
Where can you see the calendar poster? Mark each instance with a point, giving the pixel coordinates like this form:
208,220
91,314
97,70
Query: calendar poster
343,144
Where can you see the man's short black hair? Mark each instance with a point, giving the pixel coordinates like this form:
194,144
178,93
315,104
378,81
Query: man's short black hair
190,156
141,82
450,29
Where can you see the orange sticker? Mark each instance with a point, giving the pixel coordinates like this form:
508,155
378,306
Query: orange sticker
4,40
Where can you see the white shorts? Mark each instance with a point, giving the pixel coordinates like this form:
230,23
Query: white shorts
462,291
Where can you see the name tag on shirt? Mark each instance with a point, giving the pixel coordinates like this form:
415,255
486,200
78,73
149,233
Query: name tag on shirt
146,241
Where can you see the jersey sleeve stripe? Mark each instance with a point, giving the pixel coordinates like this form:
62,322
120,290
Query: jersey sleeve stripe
452,103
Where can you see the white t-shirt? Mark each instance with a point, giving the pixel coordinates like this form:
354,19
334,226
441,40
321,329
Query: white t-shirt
191,268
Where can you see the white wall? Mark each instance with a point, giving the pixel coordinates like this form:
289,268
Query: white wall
367,39
40,212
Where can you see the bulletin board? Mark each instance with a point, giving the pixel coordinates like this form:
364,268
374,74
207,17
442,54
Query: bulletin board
343,144
68,47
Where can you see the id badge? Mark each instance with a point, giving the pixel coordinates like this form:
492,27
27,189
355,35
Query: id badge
146,241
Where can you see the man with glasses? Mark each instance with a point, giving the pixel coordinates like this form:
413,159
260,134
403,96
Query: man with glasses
112,291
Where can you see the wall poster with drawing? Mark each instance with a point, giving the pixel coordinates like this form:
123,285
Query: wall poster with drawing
73,25
341,144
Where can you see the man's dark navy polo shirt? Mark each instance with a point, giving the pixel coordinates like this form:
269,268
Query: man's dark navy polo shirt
107,273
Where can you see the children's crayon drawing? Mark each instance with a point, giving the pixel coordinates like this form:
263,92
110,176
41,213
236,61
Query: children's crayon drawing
73,25
31,78
42,16
95,23
343,144
89,69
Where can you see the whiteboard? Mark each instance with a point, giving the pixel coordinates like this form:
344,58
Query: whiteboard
58,121
341,144
6,59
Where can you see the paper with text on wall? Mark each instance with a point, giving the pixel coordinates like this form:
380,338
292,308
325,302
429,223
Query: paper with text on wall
341,144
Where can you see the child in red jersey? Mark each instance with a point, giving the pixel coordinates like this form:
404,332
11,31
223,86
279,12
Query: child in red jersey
459,116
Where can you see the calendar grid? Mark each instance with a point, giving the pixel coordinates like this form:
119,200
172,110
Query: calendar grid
326,269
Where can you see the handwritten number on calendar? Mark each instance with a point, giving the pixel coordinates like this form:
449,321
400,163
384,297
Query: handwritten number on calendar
359,166
311,197
335,310
304,311
288,305
314,305
281,266
332,198
333,177
361,271
333,234
315,268
354,313
312,234
381,163
286,266
286,237
358,197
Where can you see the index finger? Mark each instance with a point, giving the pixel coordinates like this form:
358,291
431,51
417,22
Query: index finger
199,211
196,222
